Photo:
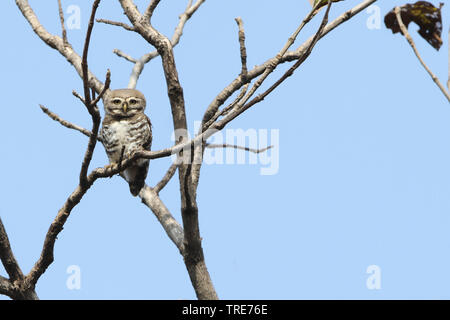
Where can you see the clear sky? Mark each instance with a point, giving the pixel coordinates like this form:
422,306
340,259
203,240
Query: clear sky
362,137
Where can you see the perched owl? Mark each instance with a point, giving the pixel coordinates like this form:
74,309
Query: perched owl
126,126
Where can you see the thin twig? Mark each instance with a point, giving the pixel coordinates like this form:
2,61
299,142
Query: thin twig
233,146
117,24
169,174
104,90
408,37
79,97
124,55
243,50
61,18
66,123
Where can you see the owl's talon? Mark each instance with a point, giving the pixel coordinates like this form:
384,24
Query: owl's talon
109,167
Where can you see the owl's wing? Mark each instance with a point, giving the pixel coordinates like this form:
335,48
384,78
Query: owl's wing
138,173
107,135
148,143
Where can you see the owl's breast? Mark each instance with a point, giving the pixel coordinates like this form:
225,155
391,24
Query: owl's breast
131,134
120,131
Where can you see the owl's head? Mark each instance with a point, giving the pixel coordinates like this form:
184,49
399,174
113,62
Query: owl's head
124,103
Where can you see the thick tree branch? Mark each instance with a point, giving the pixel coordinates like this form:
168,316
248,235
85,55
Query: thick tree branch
15,287
7,256
5,286
408,37
150,9
173,229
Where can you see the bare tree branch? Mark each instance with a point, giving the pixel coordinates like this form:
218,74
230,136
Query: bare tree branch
448,81
125,56
78,96
408,37
297,64
67,124
268,70
63,28
184,17
16,287
228,108
173,229
91,105
243,50
150,9
169,174
56,43
239,105
238,82
233,146
116,23
140,63
5,286
7,256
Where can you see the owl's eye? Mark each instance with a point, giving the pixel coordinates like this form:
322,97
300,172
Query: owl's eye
116,101
133,101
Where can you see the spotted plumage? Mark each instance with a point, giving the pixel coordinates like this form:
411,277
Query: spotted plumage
126,127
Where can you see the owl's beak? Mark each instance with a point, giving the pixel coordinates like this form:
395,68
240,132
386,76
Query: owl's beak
125,106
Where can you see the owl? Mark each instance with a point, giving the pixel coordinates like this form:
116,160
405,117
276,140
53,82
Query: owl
126,127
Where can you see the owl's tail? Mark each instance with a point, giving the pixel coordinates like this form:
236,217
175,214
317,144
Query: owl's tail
136,176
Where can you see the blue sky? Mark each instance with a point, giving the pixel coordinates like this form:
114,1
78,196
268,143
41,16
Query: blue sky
363,175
